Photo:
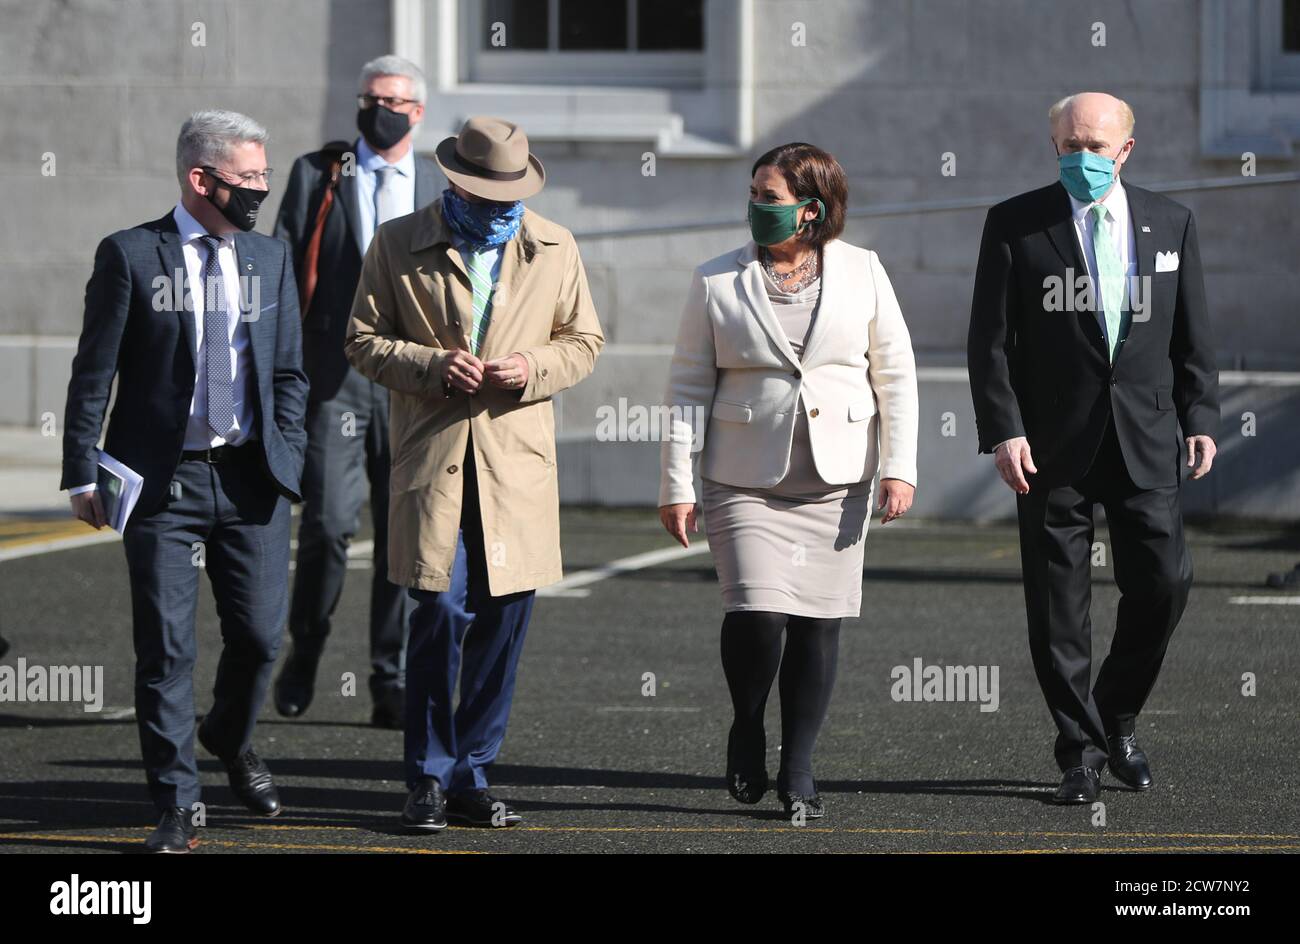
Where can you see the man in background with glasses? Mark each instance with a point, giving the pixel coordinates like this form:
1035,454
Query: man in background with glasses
196,317
335,199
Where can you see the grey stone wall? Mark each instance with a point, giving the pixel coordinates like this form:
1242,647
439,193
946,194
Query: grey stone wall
888,86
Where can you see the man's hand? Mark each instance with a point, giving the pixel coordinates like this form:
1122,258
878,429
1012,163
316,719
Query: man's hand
462,371
1013,461
510,372
677,518
89,508
895,497
1205,446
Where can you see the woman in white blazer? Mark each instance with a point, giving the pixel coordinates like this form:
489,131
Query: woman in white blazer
794,380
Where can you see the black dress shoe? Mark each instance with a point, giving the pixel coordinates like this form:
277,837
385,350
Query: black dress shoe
389,709
746,775
810,805
250,778
1079,785
480,808
296,683
174,833
1128,762
426,808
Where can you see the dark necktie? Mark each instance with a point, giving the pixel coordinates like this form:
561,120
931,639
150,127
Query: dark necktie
216,343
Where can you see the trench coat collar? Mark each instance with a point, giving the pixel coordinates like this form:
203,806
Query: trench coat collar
431,231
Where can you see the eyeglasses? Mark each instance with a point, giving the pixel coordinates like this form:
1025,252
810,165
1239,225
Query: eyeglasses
370,101
252,176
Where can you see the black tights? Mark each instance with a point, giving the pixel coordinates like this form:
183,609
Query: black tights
751,653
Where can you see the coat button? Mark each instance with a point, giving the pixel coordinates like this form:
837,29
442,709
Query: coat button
543,371
798,374
813,411
452,469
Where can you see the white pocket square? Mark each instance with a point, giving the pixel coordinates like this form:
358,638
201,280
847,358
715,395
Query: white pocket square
1166,261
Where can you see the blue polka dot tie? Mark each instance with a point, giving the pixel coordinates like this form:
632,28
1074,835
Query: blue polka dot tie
216,343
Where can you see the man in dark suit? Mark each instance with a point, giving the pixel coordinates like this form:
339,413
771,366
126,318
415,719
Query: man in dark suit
347,416
197,317
1090,341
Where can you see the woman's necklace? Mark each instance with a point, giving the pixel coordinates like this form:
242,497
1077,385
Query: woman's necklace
803,273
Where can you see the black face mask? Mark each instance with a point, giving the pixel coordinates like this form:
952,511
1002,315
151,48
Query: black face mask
241,209
382,127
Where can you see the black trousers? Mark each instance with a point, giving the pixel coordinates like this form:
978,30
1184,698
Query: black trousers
347,461
1153,571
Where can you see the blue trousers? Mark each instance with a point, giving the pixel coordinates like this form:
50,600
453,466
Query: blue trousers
463,632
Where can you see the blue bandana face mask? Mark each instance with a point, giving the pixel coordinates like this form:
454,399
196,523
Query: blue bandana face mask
481,225
1085,175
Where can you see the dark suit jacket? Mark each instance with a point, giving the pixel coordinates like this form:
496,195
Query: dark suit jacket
339,268
1046,374
133,329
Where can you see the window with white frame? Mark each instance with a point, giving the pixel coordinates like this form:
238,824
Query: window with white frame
586,42
1250,78
1278,48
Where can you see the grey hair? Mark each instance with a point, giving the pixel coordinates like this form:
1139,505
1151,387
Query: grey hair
1125,112
207,136
395,65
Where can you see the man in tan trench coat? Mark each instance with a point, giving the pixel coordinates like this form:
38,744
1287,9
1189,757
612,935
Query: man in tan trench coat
473,312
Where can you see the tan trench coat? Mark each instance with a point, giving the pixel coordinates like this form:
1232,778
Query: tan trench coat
412,308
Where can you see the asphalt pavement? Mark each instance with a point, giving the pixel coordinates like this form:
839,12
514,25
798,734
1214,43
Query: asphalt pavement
597,764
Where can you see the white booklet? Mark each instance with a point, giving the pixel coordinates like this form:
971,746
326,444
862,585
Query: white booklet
119,489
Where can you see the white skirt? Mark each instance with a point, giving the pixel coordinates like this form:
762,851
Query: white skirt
794,548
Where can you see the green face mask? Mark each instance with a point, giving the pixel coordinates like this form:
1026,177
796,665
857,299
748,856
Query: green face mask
772,223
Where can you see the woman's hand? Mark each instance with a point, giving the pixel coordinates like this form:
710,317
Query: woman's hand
895,498
677,518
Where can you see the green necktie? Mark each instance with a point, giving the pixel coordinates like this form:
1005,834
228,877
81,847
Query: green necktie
1110,275
480,277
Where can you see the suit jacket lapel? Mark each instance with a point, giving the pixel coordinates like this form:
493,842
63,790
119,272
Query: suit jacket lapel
253,303
1065,238
755,292
833,263
173,264
348,195
1143,243
1139,215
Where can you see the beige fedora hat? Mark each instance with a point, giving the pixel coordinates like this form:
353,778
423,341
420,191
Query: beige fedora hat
490,159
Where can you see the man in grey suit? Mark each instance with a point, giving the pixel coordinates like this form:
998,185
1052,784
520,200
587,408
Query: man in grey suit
197,318
335,199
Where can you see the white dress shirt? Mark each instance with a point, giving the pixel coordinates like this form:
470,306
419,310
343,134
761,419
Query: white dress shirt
195,253
1121,231
403,183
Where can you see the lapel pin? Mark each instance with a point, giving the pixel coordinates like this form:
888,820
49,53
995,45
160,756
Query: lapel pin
1146,229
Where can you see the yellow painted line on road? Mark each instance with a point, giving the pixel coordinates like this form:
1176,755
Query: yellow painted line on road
1270,845
58,536
225,843
1101,849
37,529
851,830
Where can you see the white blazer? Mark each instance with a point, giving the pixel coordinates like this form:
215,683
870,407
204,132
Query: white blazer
735,381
